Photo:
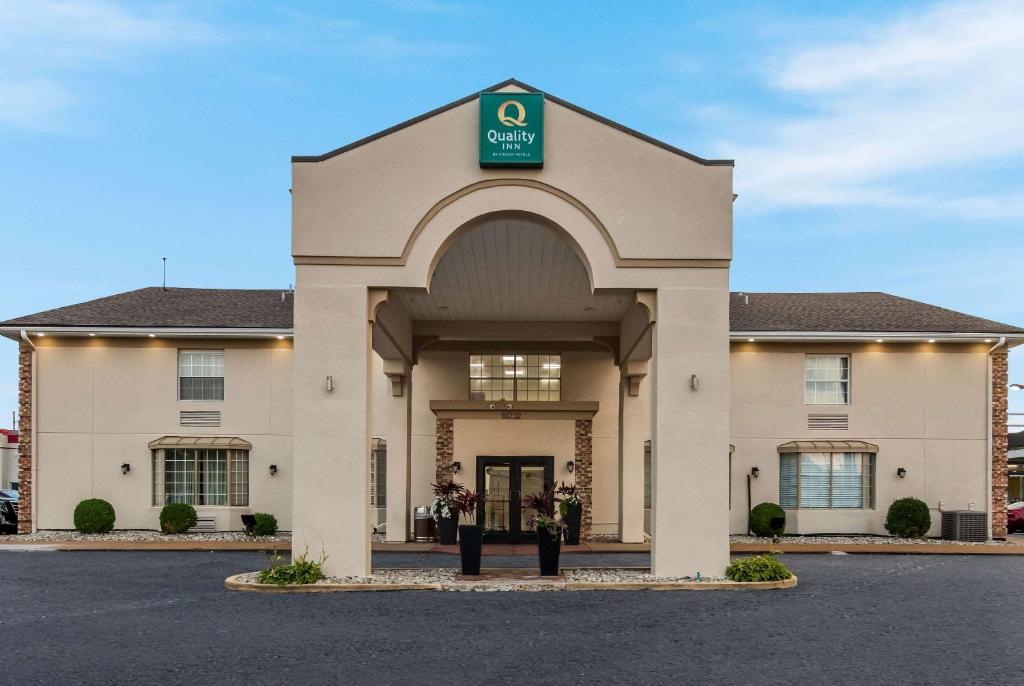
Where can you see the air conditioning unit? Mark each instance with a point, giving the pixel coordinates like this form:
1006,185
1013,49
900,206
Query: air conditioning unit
965,525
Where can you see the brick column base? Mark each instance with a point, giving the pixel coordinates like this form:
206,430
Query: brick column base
24,439
584,471
445,444
1000,465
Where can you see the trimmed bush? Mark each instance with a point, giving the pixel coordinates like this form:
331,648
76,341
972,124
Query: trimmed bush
301,571
908,518
94,516
768,519
177,518
266,524
758,568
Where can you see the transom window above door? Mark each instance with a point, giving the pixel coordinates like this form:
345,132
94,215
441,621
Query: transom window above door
515,376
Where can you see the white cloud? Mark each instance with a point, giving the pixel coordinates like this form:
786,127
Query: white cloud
47,45
937,91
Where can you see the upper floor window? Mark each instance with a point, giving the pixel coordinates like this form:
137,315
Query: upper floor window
200,375
827,379
515,377
827,480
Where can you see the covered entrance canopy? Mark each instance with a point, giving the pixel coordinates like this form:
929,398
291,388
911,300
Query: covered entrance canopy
618,249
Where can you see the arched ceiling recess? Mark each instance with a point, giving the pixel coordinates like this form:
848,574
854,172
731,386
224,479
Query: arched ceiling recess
512,268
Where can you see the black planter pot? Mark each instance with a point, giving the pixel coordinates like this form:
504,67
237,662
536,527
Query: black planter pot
448,530
471,543
549,547
573,519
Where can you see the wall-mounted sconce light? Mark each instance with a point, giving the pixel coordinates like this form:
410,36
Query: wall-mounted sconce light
569,466
901,472
456,467
694,382
755,472
330,384
273,467
125,468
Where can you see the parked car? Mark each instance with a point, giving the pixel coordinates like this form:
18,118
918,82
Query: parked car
1015,518
8,511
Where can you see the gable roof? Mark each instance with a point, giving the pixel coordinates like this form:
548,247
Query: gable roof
215,308
498,86
864,312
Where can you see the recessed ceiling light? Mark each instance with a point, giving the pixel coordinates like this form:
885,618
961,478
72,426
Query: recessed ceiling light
988,340
152,335
750,340
92,334
280,338
40,334
879,340
931,340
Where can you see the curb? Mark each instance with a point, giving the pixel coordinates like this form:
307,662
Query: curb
233,584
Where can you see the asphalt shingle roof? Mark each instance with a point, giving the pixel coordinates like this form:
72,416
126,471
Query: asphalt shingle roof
258,309
851,312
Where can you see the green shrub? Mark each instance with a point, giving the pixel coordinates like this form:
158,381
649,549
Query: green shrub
94,516
758,568
768,519
266,524
908,518
177,518
301,571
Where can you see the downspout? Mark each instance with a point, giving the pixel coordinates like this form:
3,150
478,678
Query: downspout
988,439
33,466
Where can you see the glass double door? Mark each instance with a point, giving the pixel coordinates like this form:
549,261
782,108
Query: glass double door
504,482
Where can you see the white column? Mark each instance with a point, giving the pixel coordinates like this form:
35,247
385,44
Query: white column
690,414
331,497
399,458
632,435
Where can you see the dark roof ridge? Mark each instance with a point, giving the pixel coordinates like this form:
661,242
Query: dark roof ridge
512,82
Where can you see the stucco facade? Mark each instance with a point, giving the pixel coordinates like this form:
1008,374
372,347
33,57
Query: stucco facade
610,263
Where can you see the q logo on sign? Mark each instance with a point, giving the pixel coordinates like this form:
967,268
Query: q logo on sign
504,118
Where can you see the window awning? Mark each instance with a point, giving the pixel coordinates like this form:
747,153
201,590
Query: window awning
827,447
232,442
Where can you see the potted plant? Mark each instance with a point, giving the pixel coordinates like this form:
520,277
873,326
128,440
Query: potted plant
570,508
549,530
471,536
445,510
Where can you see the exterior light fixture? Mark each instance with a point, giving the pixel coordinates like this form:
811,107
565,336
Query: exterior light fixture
280,338
988,340
570,466
931,340
751,340
694,382
40,334
330,384
152,335
755,472
879,340
1017,387
273,469
456,467
92,334
901,472
125,468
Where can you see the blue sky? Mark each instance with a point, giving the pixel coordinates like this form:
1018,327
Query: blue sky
878,145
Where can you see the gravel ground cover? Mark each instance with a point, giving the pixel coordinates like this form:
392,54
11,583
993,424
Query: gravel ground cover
142,535
448,578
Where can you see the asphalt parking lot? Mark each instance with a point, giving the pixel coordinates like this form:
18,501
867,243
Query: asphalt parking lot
164,617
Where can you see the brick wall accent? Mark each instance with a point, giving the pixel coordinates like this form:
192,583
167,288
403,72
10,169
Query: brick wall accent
584,471
25,439
999,444
445,444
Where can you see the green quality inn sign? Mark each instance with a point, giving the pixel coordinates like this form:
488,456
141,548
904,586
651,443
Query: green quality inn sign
511,129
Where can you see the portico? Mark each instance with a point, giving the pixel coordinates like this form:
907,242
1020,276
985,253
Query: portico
439,298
